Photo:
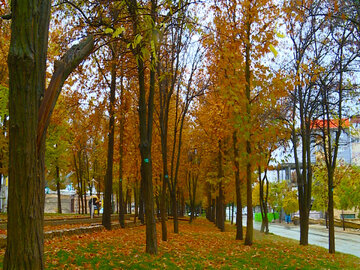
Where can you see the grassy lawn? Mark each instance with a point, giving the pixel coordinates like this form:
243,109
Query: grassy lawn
197,246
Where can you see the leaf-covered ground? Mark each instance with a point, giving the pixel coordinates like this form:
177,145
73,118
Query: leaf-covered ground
48,228
199,245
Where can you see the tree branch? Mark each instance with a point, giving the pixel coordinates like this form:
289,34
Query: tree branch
68,62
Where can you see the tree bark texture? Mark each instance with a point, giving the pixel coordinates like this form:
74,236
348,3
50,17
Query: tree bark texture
121,154
192,185
263,203
165,97
331,212
221,201
106,218
249,221
146,110
27,65
58,189
239,227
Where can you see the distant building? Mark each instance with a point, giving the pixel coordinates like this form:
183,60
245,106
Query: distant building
345,144
355,140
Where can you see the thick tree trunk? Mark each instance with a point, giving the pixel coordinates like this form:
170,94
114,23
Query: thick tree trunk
145,111
27,64
151,243
304,228
146,123
106,218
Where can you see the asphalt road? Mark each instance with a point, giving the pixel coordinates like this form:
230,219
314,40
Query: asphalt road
345,242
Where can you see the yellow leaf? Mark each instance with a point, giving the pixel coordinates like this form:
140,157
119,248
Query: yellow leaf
108,31
280,35
273,50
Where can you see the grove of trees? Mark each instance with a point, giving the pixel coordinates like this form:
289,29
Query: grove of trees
168,104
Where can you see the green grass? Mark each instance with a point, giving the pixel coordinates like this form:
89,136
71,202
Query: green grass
198,246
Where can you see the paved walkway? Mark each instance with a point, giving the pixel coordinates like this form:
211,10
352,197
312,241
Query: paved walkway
345,242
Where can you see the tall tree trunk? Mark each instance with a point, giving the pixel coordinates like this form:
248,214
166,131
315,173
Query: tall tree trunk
249,221
80,181
146,123
239,227
136,199
263,202
27,65
165,97
266,205
192,184
58,189
28,124
106,218
174,211
121,192
121,154
331,212
221,206
163,209
77,181
188,182
85,204
145,111
209,201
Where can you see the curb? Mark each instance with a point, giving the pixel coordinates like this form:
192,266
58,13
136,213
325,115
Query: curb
76,231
